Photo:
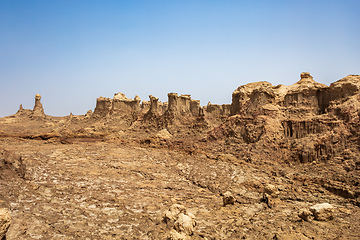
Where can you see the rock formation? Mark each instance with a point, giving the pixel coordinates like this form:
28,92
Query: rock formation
23,112
217,111
38,110
322,211
103,107
11,165
183,105
300,99
280,159
117,106
121,104
307,118
182,221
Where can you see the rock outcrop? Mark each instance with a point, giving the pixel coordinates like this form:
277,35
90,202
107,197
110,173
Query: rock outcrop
38,110
122,105
182,105
217,111
304,97
11,165
319,212
306,121
181,220
119,105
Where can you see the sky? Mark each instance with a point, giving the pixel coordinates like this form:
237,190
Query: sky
72,52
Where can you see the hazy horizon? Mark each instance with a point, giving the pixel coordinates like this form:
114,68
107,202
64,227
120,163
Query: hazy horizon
72,52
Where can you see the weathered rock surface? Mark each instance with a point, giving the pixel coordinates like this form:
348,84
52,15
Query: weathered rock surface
118,105
11,165
322,211
277,151
181,220
228,198
5,221
38,110
306,214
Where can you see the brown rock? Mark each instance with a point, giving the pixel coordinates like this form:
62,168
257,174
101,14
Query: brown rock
323,211
11,164
38,110
306,214
228,198
5,221
182,221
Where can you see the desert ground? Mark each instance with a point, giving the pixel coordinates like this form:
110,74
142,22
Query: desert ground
279,162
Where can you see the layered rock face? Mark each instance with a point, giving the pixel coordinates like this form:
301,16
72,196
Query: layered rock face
310,120
183,105
304,97
119,105
217,111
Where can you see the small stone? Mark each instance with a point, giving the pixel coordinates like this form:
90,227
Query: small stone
323,211
185,224
306,215
271,190
228,198
172,214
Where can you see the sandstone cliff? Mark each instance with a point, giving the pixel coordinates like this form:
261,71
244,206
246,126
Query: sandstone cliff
304,122
119,105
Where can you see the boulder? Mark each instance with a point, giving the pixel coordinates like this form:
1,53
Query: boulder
182,221
173,212
306,214
185,223
322,211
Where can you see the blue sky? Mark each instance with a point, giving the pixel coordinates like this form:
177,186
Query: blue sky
72,52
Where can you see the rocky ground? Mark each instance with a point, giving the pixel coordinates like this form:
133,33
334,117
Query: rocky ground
102,190
283,165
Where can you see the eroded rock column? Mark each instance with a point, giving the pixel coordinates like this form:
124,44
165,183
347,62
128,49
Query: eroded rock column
38,110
